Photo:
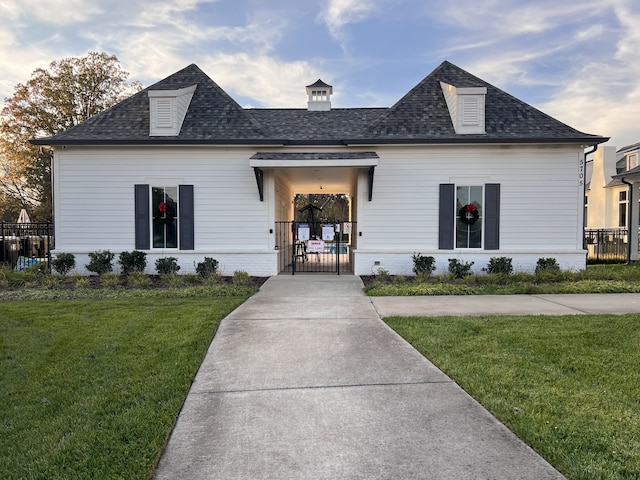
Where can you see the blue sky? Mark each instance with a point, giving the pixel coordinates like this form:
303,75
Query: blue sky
577,61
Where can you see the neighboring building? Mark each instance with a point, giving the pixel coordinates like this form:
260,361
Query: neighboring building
605,198
455,169
607,201
612,194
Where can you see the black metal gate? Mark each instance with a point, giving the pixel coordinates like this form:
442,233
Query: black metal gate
315,247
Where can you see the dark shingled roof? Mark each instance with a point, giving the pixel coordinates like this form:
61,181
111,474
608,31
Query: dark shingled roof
213,116
326,126
421,116
318,83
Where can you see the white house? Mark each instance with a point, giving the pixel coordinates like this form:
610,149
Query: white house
457,168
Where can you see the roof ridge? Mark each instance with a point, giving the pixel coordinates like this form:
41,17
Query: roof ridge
422,111
221,92
400,101
420,116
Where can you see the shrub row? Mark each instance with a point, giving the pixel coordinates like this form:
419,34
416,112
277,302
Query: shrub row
130,262
423,266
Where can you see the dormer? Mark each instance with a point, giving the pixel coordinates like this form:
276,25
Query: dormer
466,107
167,109
319,94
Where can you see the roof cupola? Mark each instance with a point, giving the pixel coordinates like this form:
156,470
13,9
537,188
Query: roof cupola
319,94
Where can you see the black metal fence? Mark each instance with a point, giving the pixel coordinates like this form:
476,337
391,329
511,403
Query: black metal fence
314,247
607,245
25,244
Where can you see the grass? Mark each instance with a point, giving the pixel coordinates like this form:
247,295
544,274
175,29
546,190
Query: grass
91,388
93,377
569,386
595,279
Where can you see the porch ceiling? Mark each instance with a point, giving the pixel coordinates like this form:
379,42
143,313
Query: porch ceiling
320,179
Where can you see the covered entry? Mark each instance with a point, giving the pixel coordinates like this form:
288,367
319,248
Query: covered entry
283,175
316,247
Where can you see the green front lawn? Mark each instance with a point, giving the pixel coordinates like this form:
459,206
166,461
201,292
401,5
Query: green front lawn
91,388
569,386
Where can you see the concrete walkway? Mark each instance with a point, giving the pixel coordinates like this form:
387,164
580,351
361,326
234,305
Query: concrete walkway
304,381
508,304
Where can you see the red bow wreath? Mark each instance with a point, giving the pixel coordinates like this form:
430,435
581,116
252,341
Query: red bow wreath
469,214
167,213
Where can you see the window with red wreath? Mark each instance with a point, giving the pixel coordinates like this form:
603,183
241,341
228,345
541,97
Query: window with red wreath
469,216
164,209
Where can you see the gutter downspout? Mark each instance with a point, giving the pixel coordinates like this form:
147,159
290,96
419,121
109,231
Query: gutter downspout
584,194
629,217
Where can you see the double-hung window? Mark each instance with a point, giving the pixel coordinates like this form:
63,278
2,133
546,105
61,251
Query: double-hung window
164,217
469,201
164,206
469,216
622,209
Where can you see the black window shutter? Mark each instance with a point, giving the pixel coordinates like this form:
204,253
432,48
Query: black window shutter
492,216
446,222
142,220
185,217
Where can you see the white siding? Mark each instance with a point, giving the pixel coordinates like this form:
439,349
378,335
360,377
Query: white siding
94,201
541,204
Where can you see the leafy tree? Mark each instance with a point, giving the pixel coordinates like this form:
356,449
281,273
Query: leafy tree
331,207
67,93
9,208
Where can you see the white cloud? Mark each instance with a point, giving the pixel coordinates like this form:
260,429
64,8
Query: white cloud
51,12
603,96
629,43
339,13
261,78
581,56
499,18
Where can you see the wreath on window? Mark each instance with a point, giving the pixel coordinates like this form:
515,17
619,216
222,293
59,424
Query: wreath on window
469,214
165,213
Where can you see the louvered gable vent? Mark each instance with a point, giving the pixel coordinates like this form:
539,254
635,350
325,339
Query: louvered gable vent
466,107
167,109
470,113
164,115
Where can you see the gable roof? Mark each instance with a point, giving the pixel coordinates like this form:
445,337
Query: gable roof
421,116
213,116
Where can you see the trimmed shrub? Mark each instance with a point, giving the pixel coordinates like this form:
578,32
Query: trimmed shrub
500,265
135,261
63,263
100,262
459,269
207,267
422,264
547,265
167,266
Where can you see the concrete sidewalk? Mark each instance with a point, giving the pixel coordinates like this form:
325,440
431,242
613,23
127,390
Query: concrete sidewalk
304,381
477,305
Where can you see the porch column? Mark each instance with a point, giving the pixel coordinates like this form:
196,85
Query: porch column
634,211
